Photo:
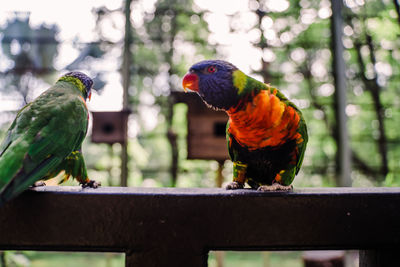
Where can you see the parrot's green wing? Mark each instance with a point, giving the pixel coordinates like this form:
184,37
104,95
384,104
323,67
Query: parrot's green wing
302,129
9,137
73,165
301,147
43,134
228,140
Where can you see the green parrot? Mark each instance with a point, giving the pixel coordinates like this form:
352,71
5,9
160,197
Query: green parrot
46,137
266,133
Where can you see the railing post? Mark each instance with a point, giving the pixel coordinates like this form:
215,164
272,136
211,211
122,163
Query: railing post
379,257
157,258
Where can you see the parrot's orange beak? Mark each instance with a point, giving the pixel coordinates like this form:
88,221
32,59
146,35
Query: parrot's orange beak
90,95
190,81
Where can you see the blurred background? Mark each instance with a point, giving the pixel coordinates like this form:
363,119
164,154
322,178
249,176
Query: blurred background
147,133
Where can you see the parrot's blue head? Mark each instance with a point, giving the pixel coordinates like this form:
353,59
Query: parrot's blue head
213,81
81,80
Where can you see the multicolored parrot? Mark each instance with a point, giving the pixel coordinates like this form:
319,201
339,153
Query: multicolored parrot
45,138
266,133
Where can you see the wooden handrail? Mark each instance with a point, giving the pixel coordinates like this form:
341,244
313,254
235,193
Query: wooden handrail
178,227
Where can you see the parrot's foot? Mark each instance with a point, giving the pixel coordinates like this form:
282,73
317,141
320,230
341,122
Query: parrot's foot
275,187
38,184
234,185
91,184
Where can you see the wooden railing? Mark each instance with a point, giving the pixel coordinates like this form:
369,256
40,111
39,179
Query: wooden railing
178,227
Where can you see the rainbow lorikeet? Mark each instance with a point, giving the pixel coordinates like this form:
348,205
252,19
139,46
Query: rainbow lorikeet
266,133
46,136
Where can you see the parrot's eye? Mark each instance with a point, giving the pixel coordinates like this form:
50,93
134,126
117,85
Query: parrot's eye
211,69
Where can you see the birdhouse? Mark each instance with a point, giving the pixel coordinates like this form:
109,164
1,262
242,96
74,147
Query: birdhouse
206,128
110,127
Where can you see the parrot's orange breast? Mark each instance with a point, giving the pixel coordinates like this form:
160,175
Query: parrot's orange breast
264,121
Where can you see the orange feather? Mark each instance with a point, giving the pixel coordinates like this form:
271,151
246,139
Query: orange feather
265,121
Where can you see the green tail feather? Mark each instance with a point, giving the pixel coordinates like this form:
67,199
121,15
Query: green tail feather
22,180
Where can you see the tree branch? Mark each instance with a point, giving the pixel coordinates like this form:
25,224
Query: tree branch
374,88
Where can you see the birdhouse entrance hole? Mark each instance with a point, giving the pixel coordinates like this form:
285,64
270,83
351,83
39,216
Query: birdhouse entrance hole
108,128
219,129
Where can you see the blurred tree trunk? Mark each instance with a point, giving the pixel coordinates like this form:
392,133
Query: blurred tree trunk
126,77
343,154
168,38
172,136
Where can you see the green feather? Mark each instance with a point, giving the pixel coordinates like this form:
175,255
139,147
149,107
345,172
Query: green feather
302,147
42,135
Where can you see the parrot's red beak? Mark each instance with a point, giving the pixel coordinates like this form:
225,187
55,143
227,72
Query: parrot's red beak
190,81
90,95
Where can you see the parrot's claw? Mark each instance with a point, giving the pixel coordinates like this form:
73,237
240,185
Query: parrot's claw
91,184
275,187
234,185
38,184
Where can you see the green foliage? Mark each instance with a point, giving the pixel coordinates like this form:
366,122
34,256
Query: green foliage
62,259
258,259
